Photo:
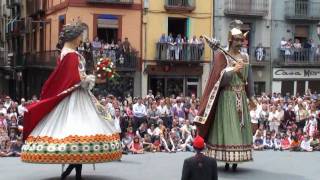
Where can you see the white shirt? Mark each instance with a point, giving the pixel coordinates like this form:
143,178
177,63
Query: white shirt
163,110
22,110
117,124
254,117
139,110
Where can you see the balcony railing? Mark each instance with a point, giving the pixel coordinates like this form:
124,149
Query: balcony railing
111,1
257,8
303,56
180,5
259,56
302,10
184,52
47,59
124,61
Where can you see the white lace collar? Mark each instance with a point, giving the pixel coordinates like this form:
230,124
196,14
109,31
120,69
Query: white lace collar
66,51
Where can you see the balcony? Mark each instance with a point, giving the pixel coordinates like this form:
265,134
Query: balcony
248,8
124,61
13,3
302,10
299,57
259,56
45,59
180,5
184,53
123,2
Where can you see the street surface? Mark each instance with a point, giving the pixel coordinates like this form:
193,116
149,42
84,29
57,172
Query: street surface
268,165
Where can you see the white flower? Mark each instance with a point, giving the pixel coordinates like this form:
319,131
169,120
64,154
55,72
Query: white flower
98,68
74,148
51,148
104,68
99,75
62,147
25,147
105,147
40,147
96,147
86,148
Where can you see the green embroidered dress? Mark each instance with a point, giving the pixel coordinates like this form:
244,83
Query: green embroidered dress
230,135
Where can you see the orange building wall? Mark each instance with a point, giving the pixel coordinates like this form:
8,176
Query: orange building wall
130,26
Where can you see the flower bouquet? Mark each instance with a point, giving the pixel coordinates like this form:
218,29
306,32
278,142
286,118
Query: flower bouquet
105,69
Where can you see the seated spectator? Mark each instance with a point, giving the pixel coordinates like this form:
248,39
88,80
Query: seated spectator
285,142
127,140
258,141
267,142
136,146
277,142
305,144
147,143
166,141
295,144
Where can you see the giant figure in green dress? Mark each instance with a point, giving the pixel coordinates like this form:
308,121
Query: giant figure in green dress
224,119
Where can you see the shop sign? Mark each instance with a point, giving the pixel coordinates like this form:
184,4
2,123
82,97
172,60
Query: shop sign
296,73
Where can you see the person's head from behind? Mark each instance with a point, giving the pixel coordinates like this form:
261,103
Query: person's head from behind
198,144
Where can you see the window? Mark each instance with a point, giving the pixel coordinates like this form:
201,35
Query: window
287,87
108,28
62,22
314,86
259,87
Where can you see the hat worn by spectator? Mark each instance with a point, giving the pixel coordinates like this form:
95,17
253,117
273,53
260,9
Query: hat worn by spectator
198,143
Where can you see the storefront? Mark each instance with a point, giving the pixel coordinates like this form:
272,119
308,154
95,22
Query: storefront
295,80
167,80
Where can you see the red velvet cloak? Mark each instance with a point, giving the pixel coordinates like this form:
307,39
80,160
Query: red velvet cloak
65,76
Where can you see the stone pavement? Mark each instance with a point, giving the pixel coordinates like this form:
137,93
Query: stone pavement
268,165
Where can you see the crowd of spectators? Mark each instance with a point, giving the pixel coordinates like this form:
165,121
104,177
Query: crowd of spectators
286,122
294,50
165,124
180,48
119,52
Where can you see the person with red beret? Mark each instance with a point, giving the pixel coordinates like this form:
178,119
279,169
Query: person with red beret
199,167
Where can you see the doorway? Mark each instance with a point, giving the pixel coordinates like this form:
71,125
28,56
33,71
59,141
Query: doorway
177,26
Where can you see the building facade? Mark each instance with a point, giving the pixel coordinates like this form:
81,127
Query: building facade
175,60
268,22
296,67
256,18
108,21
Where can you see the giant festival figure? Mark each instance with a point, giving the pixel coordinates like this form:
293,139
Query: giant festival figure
68,125
224,120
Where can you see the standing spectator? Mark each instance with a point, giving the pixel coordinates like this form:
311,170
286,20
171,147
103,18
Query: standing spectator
7,102
139,114
297,50
283,44
260,53
254,118
193,112
164,113
126,45
117,120
273,119
311,126
3,109
22,107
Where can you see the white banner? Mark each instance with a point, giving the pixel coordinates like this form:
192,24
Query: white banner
296,73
